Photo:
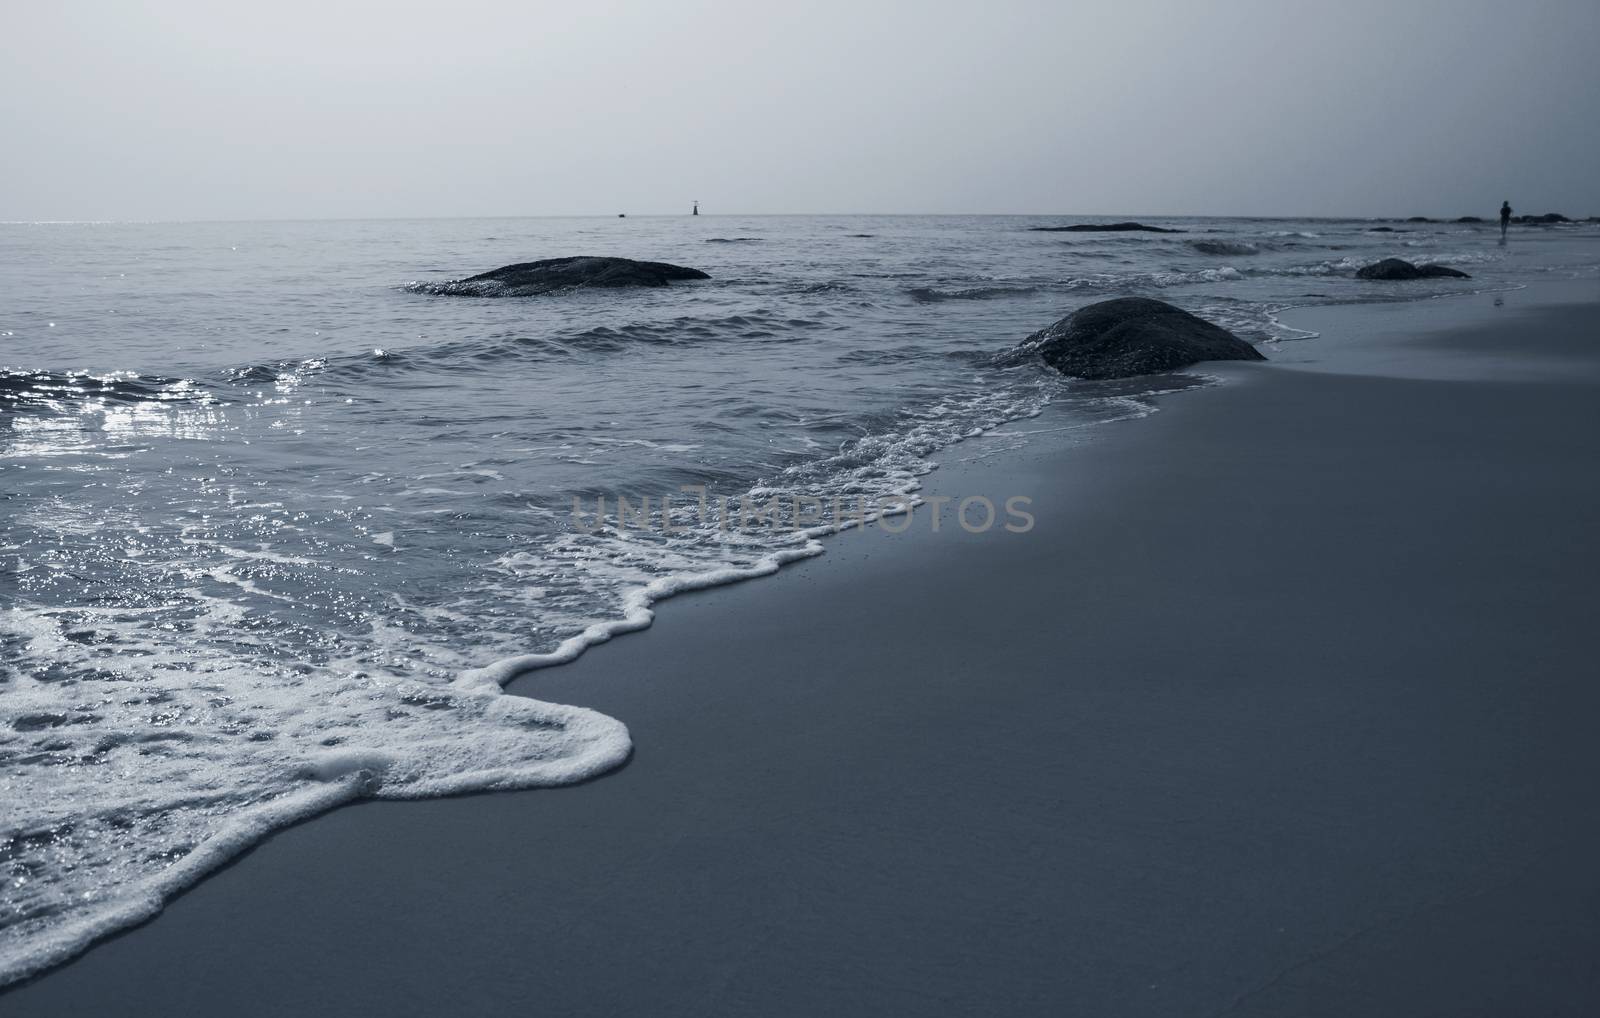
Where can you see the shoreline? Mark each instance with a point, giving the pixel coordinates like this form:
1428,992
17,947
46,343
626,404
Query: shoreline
759,729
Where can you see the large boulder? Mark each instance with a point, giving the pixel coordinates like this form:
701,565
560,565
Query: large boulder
1104,228
1399,268
526,279
1131,336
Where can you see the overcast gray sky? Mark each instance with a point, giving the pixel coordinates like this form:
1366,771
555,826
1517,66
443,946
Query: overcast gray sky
182,109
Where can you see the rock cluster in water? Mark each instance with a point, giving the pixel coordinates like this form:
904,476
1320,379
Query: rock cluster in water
1548,217
1132,336
1104,228
526,279
1399,268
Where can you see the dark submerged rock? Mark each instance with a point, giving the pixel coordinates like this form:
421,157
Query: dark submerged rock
1385,229
1131,336
526,279
1399,268
1103,228
1469,219
1419,219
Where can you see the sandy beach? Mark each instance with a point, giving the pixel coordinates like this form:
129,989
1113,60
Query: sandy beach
1285,706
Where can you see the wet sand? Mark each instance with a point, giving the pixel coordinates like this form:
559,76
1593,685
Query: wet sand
1286,705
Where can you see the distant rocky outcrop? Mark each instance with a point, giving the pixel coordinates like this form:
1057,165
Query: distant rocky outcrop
1104,228
1548,217
527,279
1469,219
1419,219
1399,268
1131,336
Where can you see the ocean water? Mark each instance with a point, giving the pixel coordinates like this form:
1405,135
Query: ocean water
276,527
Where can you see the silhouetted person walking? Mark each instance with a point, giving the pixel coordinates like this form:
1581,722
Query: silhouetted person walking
1505,218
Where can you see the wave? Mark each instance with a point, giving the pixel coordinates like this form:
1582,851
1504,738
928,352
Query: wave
930,295
501,347
733,240
910,353
684,330
49,391
1111,281
1225,247
284,377
279,373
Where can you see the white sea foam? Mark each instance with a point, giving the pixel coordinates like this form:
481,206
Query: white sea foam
127,799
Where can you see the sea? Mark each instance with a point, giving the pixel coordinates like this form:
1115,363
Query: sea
277,522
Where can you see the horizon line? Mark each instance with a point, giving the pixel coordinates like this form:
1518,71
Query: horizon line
152,221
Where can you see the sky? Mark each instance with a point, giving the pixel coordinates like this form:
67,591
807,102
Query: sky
181,109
